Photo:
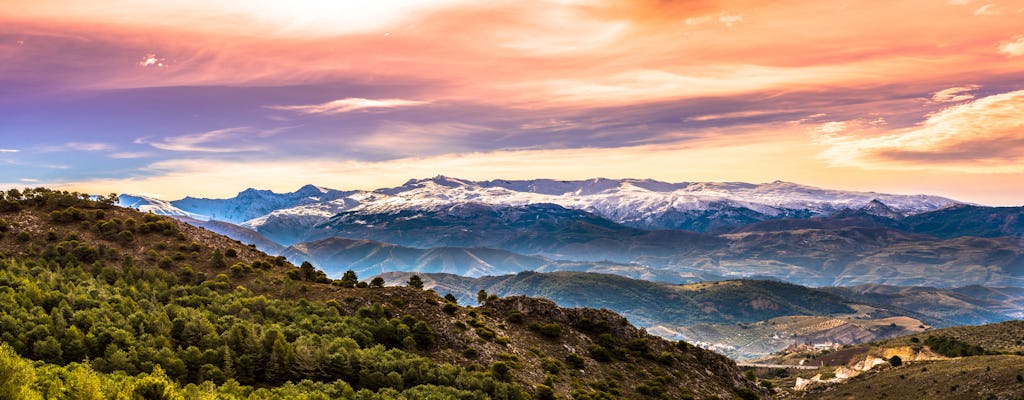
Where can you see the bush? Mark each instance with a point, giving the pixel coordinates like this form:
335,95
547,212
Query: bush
551,366
575,361
951,347
895,361
486,333
450,308
599,353
165,262
501,370
544,392
551,330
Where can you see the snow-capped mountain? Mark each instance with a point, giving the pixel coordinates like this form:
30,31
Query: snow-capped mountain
648,204
153,205
642,203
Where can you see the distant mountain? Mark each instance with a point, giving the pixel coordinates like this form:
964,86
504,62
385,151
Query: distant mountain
647,303
647,204
238,233
970,305
968,220
366,257
746,318
800,234
153,205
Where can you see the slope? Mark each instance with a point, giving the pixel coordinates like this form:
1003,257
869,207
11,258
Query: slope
131,292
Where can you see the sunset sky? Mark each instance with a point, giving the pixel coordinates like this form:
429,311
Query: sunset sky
208,97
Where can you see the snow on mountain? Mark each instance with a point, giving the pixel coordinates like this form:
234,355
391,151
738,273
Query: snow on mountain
253,203
153,205
640,203
700,206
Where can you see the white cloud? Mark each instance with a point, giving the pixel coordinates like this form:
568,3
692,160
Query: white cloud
735,114
28,180
729,20
217,141
1013,47
988,9
78,146
348,105
981,136
954,94
152,60
9,150
130,155
405,139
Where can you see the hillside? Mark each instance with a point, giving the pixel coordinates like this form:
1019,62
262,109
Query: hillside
335,255
162,308
647,303
967,362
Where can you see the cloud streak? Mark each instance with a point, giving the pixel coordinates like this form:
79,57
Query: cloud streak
1013,47
982,136
348,105
954,94
216,141
78,146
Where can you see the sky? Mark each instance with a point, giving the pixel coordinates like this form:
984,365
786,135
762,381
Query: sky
209,97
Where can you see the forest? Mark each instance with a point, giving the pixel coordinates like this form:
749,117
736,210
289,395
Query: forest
83,320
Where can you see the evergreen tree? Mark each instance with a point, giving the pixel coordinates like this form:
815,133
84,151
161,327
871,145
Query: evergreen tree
349,279
415,282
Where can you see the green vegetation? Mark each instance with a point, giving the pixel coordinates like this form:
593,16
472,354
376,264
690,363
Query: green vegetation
95,320
981,377
951,347
102,302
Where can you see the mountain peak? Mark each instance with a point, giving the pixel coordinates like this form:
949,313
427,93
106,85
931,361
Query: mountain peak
310,190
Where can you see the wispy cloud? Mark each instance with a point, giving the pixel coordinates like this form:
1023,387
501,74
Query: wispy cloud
131,155
736,115
28,180
405,139
1013,47
954,94
982,136
228,140
987,9
348,105
9,150
78,146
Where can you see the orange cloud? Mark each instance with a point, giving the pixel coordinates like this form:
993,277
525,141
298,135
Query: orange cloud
1013,47
982,136
537,54
348,105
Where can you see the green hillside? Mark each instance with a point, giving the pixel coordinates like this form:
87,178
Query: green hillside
102,302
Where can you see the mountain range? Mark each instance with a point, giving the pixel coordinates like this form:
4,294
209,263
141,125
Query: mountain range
678,232
748,318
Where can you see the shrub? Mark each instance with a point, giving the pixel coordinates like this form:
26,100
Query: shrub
501,370
575,361
599,353
486,333
544,392
551,366
449,308
551,330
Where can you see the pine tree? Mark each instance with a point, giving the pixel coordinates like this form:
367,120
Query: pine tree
415,282
349,280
